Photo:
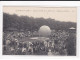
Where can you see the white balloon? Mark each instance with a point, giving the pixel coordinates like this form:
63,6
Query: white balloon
44,30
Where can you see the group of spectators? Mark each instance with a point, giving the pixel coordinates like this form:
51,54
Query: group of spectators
54,46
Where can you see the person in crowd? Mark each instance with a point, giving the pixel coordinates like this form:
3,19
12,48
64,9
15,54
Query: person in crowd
18,51
16,43
30,48
12,50
49,52
24,51
56,53
20,45
8,42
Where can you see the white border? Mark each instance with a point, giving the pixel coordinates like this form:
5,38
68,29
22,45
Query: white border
41,3
45,4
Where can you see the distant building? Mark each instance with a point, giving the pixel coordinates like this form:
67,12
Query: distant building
72,30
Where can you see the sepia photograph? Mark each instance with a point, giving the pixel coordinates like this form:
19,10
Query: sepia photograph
35,30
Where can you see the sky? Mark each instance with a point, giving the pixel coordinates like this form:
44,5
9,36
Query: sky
66,14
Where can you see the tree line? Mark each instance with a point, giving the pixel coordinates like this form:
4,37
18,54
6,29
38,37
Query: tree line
31,23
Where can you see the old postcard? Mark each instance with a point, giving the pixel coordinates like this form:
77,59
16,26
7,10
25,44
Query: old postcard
37,30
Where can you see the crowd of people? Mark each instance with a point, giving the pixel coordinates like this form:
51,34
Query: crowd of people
54,46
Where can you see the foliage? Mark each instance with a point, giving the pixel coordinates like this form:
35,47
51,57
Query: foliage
30,23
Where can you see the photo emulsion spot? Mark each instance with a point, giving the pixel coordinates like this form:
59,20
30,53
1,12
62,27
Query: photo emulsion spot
39,31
